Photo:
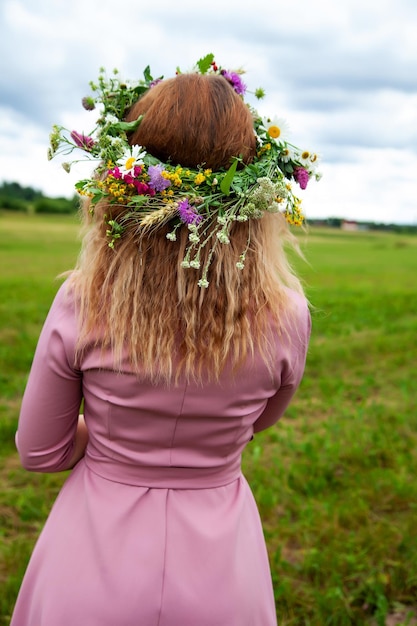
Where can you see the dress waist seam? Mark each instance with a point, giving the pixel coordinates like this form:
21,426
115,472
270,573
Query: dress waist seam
164,477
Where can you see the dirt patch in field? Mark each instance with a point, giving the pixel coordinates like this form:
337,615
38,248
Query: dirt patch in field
406,616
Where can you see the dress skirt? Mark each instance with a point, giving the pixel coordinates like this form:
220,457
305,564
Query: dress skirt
115,554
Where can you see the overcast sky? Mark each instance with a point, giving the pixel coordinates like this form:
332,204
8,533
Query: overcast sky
343,75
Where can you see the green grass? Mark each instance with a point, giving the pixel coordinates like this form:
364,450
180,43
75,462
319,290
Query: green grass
334,480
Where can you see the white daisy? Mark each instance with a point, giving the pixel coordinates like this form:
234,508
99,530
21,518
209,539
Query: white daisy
308,160
276,128
133,156
304,157
287,154
313,161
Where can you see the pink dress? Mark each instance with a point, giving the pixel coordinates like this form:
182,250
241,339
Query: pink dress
156,525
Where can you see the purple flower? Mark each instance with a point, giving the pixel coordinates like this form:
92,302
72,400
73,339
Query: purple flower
82,141
301,176
187,213
237,83
157,181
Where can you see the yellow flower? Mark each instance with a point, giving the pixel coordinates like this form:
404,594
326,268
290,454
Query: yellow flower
174,177
200,178
265,148
129,163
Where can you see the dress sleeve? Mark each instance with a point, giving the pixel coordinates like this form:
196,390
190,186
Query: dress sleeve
51,401
292,372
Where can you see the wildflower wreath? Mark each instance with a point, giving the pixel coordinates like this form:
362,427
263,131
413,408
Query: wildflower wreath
155,192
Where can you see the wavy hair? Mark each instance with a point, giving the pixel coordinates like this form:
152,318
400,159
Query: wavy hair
143,302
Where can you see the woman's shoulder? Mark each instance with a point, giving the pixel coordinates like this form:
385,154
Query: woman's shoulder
297,305
296,298
61,318
63,302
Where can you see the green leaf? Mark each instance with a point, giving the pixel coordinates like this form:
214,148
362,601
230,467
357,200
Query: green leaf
139,90
228,179
151,160
253,172
96,197
138,200
81,184
204,64
96,191
127,126
147,74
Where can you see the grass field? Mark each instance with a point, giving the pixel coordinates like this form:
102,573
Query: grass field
335,480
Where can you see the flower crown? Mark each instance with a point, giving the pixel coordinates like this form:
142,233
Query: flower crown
156,193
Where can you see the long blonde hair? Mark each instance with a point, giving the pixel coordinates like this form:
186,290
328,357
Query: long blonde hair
138,301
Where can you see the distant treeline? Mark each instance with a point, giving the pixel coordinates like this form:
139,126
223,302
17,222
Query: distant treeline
14,197
352,225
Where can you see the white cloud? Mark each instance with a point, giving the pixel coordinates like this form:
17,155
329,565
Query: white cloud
374,184
343,74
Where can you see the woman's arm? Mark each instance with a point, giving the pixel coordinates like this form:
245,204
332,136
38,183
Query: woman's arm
49,438
292,374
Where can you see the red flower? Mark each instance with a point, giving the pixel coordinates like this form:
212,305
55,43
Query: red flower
128,178
143,189
115,172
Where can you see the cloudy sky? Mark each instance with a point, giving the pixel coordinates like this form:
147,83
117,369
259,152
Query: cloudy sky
343,74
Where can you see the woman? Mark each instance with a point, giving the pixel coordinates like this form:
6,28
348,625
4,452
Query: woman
183,331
